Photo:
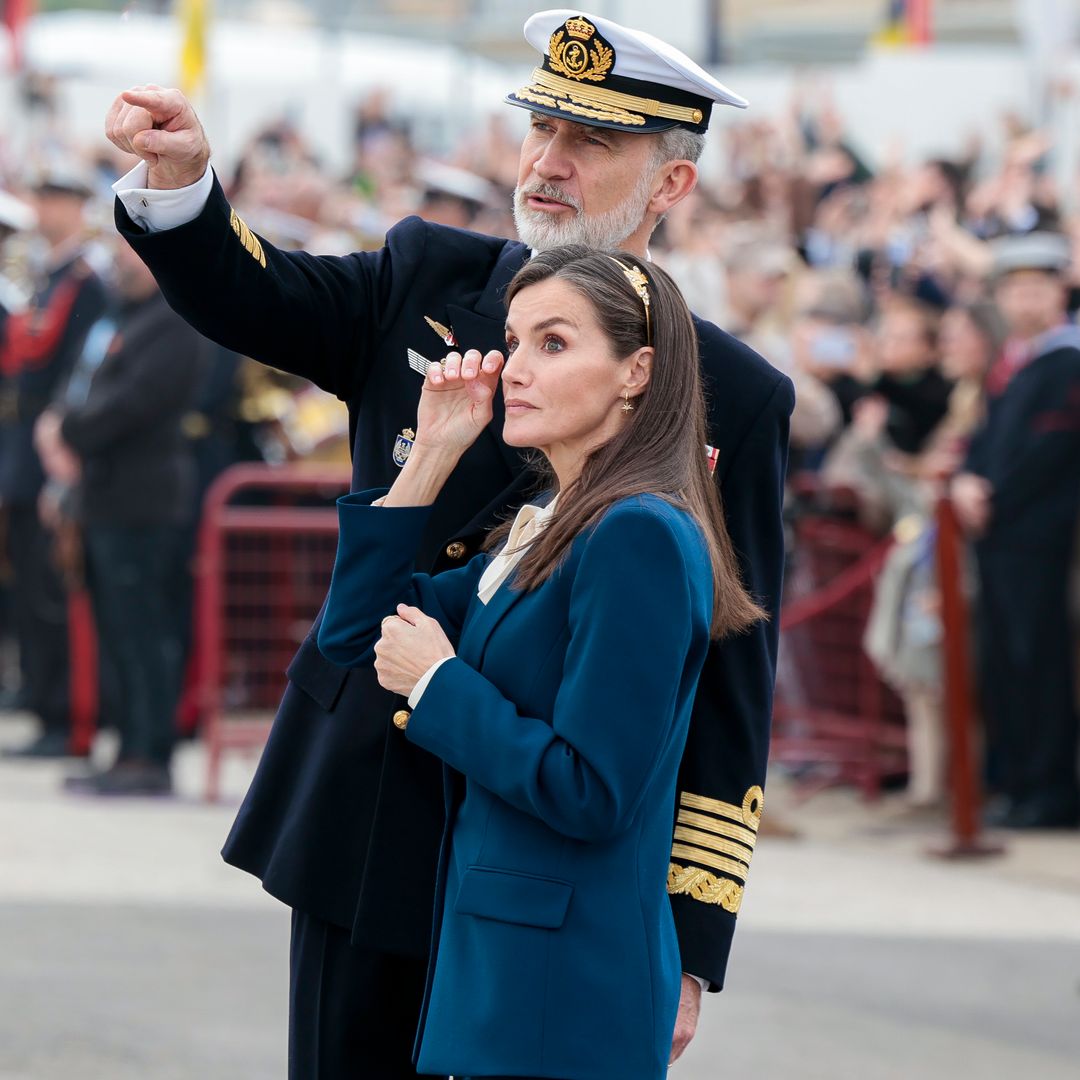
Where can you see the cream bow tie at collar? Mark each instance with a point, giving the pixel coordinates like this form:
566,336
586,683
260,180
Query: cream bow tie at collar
527,525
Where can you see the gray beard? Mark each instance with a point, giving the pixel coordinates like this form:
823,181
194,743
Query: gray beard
600,232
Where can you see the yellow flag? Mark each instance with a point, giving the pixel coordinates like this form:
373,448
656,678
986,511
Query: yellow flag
194,16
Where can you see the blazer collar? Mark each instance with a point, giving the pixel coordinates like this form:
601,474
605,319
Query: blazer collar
487,618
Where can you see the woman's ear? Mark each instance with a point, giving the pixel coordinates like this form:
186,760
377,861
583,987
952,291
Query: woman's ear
638,371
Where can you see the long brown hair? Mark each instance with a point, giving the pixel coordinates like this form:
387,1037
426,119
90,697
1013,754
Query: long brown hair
661,447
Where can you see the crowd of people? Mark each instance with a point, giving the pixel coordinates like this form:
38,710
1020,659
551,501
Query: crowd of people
922,309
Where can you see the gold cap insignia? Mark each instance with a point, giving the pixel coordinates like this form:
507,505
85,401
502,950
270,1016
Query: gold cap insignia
571,54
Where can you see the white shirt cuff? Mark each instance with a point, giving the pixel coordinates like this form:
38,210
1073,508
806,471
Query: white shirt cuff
703,983
422,682
158,209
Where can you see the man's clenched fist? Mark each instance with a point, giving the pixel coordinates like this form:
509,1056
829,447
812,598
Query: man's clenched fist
161,127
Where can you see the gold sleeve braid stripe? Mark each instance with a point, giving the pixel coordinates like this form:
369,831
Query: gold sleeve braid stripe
749,813
711,859
701,885
715,843
247,238
718,826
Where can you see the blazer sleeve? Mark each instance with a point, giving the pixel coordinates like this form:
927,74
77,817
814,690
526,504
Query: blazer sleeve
373,573
633,633
313,316
723,769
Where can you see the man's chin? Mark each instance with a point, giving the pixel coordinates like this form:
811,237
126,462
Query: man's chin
541,231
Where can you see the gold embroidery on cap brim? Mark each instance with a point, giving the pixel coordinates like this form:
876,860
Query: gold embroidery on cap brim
615,99
700,885
708,858
565,105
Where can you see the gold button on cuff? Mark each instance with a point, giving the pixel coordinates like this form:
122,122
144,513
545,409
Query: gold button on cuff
401,719
455,550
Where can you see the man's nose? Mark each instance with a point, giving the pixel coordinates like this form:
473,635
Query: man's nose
554,162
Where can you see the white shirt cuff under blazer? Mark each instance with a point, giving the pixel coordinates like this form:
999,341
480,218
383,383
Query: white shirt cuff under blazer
157,209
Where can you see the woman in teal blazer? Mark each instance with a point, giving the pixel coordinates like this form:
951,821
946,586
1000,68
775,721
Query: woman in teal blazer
555,676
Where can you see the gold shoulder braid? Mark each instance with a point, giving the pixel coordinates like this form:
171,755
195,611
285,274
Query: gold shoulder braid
247,238
718,835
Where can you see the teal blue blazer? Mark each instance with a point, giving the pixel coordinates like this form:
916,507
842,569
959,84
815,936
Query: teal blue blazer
562,721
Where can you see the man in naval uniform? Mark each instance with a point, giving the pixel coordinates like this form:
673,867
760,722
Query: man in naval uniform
344,817
1018,496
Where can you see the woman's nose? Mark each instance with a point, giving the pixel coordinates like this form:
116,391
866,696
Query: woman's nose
514,371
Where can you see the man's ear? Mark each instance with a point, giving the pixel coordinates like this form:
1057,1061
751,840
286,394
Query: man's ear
674,182
638,371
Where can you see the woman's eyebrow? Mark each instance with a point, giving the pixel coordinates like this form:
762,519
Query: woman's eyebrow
555,320
546,324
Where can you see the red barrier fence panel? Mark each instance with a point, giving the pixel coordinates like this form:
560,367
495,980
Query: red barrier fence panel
834,719
266,552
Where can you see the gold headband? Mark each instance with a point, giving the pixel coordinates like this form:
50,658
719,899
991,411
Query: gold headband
640,284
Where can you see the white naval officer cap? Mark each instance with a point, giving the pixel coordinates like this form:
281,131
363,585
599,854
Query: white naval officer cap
599,73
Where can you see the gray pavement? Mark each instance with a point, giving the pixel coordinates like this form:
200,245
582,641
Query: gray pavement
128,951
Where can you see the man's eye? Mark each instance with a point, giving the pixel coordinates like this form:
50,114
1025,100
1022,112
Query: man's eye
553,343
511,344
595,142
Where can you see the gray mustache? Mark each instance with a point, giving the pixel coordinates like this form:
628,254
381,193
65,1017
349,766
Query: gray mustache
550,191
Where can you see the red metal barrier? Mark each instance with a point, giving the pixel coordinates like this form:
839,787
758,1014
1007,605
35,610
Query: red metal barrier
834,719
261,575
82,672
959,693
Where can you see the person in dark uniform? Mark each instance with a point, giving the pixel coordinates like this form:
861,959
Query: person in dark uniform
121,419
37,353
15,216
343,821
1019,497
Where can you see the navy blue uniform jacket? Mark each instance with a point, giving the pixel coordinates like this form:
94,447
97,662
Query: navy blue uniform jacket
566,710
342,819
1029,449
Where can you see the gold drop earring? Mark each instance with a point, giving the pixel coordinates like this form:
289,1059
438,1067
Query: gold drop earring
627,407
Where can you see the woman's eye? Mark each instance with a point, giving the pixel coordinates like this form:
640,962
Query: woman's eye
511,345
553,343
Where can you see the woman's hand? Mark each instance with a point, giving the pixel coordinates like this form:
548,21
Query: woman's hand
411,642
455,405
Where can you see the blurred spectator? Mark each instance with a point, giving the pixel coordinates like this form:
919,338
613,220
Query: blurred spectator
759,270
134,497
1018,497
36,355
909,379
